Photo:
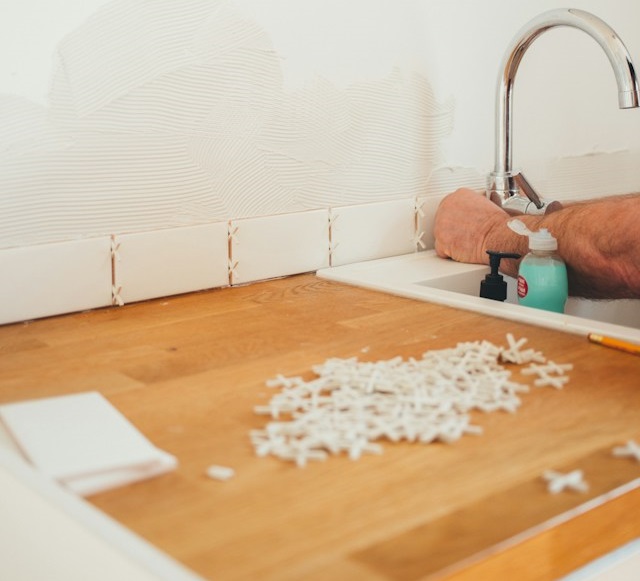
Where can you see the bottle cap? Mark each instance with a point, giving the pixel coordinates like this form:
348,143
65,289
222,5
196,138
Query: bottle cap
540,240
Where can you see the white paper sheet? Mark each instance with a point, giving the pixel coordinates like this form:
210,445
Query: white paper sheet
84,442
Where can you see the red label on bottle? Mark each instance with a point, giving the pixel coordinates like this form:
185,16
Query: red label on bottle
523,287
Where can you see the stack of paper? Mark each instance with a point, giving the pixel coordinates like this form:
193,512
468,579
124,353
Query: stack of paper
83,442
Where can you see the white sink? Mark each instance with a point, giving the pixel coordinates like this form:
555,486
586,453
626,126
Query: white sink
424,276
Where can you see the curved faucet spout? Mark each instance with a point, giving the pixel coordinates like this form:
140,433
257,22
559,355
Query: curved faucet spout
503,183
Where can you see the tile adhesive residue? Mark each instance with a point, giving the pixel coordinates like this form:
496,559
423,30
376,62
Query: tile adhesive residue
165,114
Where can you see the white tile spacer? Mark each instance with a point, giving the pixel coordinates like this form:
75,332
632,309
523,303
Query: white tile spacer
630,450
558,368
332,217
116,298
232,232
553,381
558,482
222,473
513,354
303,455
417,240
543,372
549,367
332,248
529,355
115,249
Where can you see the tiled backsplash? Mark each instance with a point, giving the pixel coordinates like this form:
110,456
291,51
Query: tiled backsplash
52,279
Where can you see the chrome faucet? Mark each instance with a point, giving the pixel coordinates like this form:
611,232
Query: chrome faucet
510,189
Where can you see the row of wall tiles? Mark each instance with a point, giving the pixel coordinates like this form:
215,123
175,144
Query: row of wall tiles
64,277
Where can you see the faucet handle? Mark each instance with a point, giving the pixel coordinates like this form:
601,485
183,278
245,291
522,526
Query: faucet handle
515,195
539,205
527,189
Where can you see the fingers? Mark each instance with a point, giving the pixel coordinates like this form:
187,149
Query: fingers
440,251
462,221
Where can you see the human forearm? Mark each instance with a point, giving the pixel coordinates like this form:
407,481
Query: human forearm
599,240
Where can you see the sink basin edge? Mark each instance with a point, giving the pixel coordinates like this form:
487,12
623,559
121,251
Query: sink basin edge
408,276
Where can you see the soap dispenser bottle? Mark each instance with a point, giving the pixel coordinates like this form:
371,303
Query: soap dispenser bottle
494,286
542,275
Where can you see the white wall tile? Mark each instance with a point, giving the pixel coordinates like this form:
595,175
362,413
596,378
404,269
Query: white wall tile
273,246
51,279
173,261
370,231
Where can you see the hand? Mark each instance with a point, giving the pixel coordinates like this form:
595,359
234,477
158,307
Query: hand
462,224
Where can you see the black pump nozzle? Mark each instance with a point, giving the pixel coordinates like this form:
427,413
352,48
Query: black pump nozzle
494,286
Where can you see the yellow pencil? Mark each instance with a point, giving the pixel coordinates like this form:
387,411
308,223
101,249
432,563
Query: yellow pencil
619,344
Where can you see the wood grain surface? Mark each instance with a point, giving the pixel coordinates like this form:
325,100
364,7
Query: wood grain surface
188,370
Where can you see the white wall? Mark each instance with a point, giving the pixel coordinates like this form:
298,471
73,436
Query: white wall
565,83
125,116
121,116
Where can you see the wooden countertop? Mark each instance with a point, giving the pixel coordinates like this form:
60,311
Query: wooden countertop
187,371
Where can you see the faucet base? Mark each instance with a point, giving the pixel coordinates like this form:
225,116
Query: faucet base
515,195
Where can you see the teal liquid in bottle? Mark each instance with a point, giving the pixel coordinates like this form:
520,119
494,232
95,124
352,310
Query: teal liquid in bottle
542,275
542,283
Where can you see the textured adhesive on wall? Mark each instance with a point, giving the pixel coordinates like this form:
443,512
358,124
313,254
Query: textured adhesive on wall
165,115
